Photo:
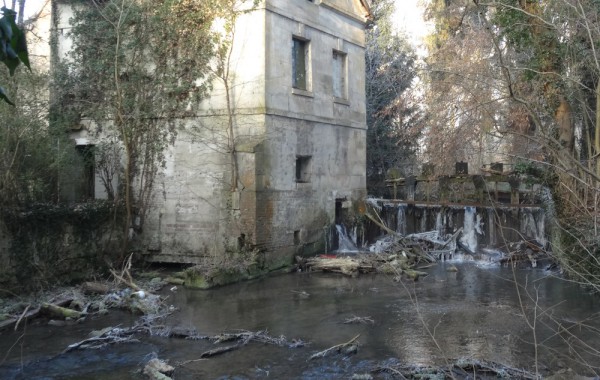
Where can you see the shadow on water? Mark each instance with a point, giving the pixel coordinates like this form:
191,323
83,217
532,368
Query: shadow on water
473,313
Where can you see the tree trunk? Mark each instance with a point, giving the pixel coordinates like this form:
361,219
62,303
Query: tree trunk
597,130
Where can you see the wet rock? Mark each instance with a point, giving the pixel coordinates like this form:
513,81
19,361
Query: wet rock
452,268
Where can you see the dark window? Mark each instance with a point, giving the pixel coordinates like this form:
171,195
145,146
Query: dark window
339,75
303,168
87,174
299,64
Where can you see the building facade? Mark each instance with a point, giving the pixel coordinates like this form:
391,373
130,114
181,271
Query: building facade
294,157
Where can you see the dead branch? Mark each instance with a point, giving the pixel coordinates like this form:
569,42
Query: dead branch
21,317
383,226
128,283
337,348
362,320
108,337
125,276
220,350
15,321
344,265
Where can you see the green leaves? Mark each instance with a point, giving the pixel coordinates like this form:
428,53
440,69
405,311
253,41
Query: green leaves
13,46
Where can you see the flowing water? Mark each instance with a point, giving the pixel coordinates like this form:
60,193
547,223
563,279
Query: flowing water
472,313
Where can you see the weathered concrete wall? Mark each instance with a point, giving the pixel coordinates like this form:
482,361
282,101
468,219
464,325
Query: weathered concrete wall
49,244
194,213
197,215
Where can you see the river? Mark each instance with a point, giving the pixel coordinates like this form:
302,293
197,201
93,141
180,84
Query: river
472,313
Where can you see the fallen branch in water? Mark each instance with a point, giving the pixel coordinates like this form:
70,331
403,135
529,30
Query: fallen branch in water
21,317
220,350
108,337
363,320
348,348
245,337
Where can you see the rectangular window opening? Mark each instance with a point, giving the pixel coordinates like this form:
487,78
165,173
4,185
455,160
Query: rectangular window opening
87,173
300,62
296,237
303,168
339,75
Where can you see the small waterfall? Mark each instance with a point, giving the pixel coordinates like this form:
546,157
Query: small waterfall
440,223
491,214
471,227
345,243
423,226
532,224
401,220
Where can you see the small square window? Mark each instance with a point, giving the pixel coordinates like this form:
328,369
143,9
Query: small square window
303,168
300,60
339,75
297,237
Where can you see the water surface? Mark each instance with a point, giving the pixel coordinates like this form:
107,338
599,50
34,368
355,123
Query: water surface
473,313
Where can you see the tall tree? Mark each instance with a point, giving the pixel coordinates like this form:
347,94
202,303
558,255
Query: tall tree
393,116
136,67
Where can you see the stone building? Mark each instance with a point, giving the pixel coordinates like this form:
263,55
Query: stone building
298,97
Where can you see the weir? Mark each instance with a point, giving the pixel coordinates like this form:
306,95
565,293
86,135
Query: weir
482,230
490,210
482,226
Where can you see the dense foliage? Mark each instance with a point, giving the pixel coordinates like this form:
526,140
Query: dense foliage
135,69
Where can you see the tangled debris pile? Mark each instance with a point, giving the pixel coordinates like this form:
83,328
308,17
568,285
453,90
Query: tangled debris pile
395,255
64,306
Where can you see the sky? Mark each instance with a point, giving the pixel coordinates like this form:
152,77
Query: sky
409,19
408,15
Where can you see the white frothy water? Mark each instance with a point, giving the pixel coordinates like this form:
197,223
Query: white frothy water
345,243
471,227
401,220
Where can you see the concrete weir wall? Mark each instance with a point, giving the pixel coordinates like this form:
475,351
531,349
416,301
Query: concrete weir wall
482,226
